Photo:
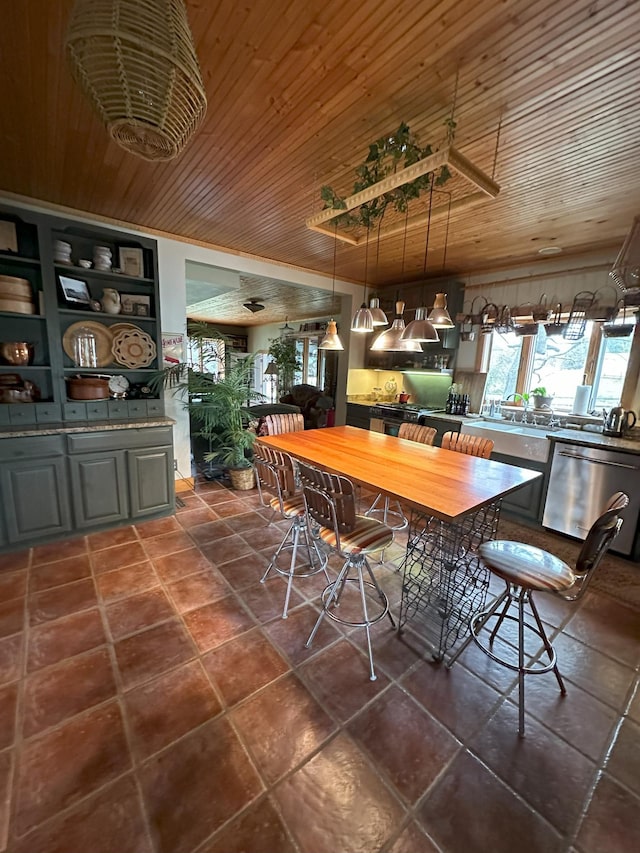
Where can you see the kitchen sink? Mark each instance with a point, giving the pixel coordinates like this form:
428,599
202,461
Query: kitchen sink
523,442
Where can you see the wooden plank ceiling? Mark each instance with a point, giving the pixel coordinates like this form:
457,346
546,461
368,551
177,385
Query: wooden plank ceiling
297,90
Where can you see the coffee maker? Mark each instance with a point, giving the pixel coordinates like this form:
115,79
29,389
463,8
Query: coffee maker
617,422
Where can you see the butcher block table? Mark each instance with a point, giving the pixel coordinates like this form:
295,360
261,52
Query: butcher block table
455,503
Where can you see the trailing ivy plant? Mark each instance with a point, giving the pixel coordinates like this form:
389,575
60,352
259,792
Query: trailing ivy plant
386,156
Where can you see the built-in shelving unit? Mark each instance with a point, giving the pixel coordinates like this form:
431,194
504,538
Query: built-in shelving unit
35,262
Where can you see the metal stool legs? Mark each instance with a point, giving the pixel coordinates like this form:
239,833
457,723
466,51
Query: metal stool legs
291,541
520,597
385,512
333,593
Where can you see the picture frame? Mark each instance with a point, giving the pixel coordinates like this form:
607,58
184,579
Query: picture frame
135,304
131,261
75,291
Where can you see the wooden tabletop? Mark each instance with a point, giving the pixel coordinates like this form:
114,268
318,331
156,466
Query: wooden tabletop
443,483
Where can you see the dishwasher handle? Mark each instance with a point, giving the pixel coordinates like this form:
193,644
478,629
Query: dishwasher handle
598,461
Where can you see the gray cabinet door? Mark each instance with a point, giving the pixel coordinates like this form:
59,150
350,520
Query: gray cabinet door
525,502
99,488
151,488
35,497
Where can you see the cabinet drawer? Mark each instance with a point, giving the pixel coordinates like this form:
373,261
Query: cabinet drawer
75,411
118,409
4,414
31,447
118,439
98,410
137,408
48,413
22,413
155,407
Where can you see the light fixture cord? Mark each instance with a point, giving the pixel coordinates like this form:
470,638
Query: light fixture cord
446,234
366,264
495,155
426,246
333,282
404,242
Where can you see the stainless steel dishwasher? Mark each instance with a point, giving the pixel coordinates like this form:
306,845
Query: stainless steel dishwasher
582,480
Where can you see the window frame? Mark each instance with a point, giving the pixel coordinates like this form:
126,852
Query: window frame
593,361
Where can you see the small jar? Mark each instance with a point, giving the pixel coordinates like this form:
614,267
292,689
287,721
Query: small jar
85,350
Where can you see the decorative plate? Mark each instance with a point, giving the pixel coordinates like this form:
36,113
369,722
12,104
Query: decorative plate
104,341
123,327
133,348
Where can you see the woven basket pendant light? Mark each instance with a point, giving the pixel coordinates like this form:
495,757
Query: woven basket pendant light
136,61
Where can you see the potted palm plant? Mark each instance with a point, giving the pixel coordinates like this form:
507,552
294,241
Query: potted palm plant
218,406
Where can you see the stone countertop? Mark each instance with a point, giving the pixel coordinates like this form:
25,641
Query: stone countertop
596,439
23,431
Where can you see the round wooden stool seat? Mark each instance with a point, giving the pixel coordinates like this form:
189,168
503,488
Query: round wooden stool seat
527,566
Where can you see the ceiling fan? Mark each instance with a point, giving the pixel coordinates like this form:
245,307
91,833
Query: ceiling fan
253,305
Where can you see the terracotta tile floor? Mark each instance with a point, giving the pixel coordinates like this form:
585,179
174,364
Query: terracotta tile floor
152,700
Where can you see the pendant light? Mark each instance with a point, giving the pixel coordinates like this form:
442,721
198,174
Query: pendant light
439,316
286,330
331,339
421,329
391,339
378,315
362,321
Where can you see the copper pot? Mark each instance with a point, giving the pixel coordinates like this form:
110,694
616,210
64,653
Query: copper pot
88,388
403,397
16,352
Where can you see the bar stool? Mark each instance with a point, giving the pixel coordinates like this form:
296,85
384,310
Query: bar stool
411,432
330,502
525,570
275,476
472,445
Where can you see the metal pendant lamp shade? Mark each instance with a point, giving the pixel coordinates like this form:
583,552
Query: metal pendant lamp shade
420,329
439,316
136,62
378,316
362,320
331,339
391,339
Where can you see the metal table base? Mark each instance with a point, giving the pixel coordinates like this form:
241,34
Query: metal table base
444,580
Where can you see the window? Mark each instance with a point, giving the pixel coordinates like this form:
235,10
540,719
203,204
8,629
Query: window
610,372
504,364
559,365
312,360
518,364
206,355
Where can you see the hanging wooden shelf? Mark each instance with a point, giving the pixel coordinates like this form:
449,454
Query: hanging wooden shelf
474,187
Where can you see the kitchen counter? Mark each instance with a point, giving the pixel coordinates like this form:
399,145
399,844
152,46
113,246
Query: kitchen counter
596,439
85,426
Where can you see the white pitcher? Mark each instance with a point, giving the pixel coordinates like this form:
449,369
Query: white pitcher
111,301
